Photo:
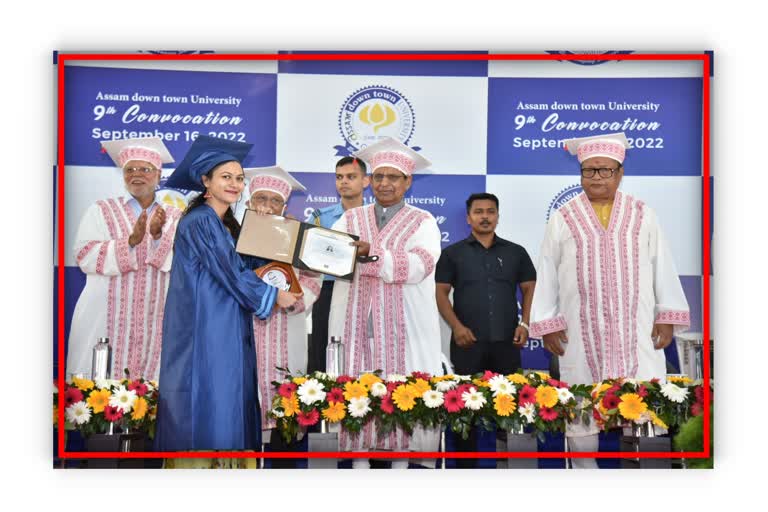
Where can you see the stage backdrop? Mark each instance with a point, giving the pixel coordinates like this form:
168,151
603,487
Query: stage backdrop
493,126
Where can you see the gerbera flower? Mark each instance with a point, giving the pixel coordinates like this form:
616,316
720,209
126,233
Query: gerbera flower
307,419
299,380
72,395
473,399
335,412
516,378
547,414
343,379
99,399
528,411
354,390
421,375
287,389
504,405
480,383
311,391
500,385
453,401
290,405
643,391
386,404
527,395
335,395
403,398
488,375
421,386
657,421
139,387
369,379
433,398
564,395
696,409
140,408
112,413
610,401
632,406
123,399
445,385
359,407
396,377
674,393
378,389
546,396
82,384
78,413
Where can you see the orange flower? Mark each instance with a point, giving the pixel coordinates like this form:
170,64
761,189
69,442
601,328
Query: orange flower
355,390
421,386
546,396
480,383
632,406
335,412
369,379
99,399
140,407
290,405
504,404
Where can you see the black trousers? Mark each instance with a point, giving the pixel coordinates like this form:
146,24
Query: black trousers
500,357
318,342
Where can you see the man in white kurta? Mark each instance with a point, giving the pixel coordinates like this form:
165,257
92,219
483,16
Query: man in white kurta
387,316
608,297
124,246
281,339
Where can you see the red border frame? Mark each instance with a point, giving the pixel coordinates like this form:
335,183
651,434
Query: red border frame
706,60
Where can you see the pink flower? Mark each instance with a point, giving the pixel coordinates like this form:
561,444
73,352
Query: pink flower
112,413
610,401
307,419
464,388
547,414
335,395
453,401
698,391
696,409
386,404
527,395
421,375
287,389
138,386
72,395
642,392
342,379
391,386
488,375
557,383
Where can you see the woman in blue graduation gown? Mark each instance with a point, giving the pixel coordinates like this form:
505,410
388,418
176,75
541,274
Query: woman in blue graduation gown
208,398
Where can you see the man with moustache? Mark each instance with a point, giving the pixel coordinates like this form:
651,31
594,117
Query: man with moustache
608,299
351,181
124,246
484,271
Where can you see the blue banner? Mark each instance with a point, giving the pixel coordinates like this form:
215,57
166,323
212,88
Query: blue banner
528,119
106,103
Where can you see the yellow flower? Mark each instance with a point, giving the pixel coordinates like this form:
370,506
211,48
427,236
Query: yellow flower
335,412
403,397
369,379
354,390
421,386
504,405
546,396
290,405
599,390
516,378
450,376
543,376
657,421
632,406
438,378
299,380
140,407
99,399
680,379
480,383
82,384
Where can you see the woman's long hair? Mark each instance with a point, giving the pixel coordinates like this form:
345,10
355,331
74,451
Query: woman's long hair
229,220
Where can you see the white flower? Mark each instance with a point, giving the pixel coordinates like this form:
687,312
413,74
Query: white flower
378,389
564,395
528,411
78,413
311,391
460,378
634,382
674,393
473,400
501,386
432,398
277,413
123,399
445,385
396,377
359,407
320,375
106,383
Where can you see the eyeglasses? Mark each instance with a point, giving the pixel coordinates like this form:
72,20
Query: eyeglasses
392,178
274,201
139,170
604,172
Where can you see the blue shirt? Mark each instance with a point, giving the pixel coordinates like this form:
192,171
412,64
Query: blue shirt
327,217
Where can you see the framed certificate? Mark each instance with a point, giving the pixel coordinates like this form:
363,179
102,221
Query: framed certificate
300,244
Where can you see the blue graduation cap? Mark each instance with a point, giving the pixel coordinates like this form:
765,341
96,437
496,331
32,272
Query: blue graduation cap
205,154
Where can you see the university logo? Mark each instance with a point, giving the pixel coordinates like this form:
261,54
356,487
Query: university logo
175,197
372,113
563,197
589,62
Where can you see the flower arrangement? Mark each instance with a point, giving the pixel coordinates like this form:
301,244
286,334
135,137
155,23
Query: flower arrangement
91,406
